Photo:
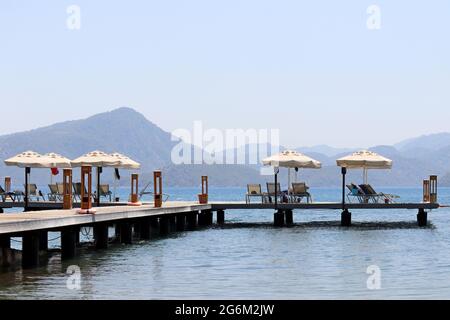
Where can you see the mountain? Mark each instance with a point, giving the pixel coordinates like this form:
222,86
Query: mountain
122,130
430,142
325,150
126,131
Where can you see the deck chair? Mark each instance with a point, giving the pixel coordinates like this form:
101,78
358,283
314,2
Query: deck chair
105,192
271,191
14,196
34,192
380,196
60,187
55,194
355,192
300,191
77,191
144,192
254,191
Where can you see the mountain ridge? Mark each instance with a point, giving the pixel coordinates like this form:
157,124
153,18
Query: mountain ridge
128,131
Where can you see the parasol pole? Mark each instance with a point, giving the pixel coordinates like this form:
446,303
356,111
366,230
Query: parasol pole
289,180
99,171
276,187
115,185
27,188
365,175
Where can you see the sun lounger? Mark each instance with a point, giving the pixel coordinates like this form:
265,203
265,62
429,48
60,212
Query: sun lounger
34,192
55,193
254,191
300,191
355,192
14,196
105,192
271,191
144,192
378,196
77,191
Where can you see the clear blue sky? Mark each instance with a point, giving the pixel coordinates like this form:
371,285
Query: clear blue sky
310,68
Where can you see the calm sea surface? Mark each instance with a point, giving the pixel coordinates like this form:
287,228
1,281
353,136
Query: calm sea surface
249,259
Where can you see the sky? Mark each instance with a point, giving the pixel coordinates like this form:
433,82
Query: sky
313,69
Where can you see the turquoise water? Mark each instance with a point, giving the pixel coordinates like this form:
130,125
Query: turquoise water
249,259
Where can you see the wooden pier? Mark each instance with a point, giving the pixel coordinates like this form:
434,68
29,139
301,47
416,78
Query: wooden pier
146,221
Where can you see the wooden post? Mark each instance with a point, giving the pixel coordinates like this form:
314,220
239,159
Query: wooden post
278,218
101,235
205,218
172,223
154,227
134,187
433,189
157,183
181,221
136,229
426,190
86,190
164,227
210,217
7,189
145,228
30,249
68,242
220,216
67,189
7,184
422,218
43,240
5,241
126,232
192,220
77,235
5,252
203,197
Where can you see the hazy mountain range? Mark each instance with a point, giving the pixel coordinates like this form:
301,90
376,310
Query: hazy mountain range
127,131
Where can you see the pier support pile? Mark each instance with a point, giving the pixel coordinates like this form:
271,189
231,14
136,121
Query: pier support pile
346,218
422,218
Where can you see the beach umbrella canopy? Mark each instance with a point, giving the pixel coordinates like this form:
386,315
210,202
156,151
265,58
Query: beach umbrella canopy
28,159
125,162
96,159
292,159
365,160
31,159
57,161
